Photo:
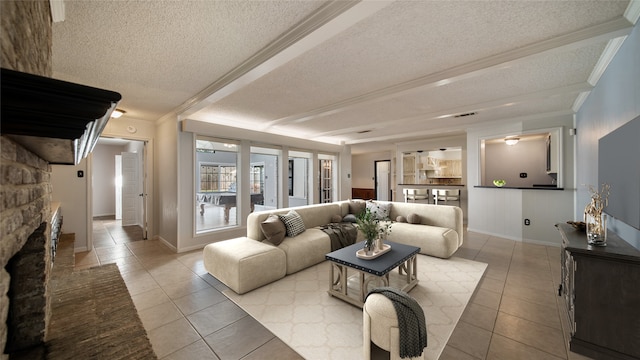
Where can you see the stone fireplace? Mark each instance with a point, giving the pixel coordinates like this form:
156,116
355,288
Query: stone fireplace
35,132
25,249
25,191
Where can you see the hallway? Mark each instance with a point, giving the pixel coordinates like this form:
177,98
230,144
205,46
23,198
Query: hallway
108,231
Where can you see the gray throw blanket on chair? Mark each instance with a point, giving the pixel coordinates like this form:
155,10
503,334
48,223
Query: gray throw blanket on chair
341,234
411,322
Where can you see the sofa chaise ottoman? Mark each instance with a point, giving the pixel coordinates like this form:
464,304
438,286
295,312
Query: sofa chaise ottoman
244,264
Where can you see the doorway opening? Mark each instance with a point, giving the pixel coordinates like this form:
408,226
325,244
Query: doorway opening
119,191
382,169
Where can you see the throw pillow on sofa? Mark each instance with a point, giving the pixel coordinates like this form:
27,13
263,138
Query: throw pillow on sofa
293,222
336,218
414,219
350,218
379,210
401,219
356,207
273,229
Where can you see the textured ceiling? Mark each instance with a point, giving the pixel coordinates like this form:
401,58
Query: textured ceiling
327,71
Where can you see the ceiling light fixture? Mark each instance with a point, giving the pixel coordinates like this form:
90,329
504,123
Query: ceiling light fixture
511,140
117,113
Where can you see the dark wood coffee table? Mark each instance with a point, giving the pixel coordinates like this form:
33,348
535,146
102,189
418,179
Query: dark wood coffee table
400,256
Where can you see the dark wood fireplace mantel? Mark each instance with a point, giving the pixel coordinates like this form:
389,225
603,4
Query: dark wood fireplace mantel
57,120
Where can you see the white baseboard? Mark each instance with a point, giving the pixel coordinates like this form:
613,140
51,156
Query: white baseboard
99,215
193,247
518,239
80,249
503,236
165,242
538,242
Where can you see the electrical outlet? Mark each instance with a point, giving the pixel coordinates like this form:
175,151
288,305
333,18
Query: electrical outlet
527,222
523,175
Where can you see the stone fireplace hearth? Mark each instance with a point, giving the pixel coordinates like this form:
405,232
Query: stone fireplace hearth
29,305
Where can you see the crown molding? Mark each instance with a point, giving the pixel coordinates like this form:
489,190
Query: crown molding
582,97
605,59
607,56
632,13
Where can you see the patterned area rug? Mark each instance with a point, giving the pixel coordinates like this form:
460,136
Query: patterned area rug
301,313
93,317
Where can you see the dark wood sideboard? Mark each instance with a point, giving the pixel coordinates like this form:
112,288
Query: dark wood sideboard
362,193
601,291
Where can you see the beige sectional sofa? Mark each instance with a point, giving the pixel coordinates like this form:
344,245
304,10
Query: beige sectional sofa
240,263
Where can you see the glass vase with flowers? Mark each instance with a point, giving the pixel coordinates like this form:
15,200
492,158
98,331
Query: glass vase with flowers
373,230
596,221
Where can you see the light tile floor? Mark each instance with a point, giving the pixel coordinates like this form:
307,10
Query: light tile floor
514,313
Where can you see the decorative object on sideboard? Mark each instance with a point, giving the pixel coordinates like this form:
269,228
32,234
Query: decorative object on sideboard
594,218
578,225
499,183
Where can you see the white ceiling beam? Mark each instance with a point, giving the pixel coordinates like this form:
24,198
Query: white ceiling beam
461,127
581,38
448,113
327,22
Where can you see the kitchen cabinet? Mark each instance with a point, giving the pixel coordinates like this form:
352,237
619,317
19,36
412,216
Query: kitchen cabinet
552,153
409,168
431,168
599,286
444,168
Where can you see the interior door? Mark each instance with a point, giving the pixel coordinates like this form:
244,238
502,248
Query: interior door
118,173
143,192
383,175
130,191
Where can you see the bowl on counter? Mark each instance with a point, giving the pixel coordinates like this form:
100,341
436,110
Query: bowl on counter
499,183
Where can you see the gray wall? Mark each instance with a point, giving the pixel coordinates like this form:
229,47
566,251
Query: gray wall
614,102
